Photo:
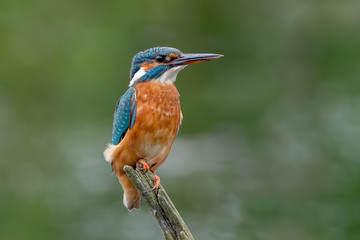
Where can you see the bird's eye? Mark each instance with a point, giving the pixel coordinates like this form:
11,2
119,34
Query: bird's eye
160,58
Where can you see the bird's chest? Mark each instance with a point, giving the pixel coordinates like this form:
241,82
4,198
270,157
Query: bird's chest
158,116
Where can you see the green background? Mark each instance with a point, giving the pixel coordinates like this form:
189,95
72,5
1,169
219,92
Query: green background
269,145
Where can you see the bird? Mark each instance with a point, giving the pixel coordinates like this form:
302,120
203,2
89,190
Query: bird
148,116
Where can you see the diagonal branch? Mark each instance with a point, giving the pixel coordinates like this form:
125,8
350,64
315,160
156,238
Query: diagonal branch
161,207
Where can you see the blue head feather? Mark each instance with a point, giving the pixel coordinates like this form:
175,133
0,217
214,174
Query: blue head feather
149,56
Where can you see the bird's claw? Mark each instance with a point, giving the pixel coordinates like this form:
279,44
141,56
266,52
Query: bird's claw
144,166
141,164
157,183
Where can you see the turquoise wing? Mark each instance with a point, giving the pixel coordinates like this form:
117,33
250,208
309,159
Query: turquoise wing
124,115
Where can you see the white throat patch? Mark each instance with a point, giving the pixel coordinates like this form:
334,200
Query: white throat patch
167,77
141,72
170,75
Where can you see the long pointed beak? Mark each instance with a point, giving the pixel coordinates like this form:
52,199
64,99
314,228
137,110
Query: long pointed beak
191,58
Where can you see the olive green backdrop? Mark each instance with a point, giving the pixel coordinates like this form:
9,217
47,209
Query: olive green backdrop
269,145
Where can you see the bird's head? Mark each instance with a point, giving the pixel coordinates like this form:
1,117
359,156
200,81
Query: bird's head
163,63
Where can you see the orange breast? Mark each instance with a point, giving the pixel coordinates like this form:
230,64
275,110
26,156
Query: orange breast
157,120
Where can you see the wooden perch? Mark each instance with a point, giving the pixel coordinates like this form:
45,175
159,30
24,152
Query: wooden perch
161,207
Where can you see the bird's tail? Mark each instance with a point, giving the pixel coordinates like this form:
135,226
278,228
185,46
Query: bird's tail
110,148
132,198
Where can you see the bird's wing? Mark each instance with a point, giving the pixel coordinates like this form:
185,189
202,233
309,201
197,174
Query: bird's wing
124,115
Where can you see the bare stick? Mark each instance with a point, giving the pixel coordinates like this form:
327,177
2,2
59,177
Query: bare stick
161,207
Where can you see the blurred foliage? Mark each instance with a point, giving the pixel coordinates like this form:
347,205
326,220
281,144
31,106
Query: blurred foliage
269,144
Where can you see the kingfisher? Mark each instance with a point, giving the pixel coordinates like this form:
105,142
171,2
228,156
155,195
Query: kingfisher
148,116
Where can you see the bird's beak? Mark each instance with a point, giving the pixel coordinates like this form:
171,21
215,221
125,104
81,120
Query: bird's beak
193,58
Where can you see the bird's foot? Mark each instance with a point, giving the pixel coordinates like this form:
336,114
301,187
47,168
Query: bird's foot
157,182
145,166
141,164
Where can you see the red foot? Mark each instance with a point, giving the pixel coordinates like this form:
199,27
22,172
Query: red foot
145,165
157,181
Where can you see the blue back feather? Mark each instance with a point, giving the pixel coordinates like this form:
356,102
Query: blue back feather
124,116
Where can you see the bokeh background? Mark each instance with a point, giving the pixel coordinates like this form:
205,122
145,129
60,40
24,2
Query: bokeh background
269,146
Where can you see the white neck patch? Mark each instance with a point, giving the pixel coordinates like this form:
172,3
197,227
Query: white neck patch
167,77
170,75
141,72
